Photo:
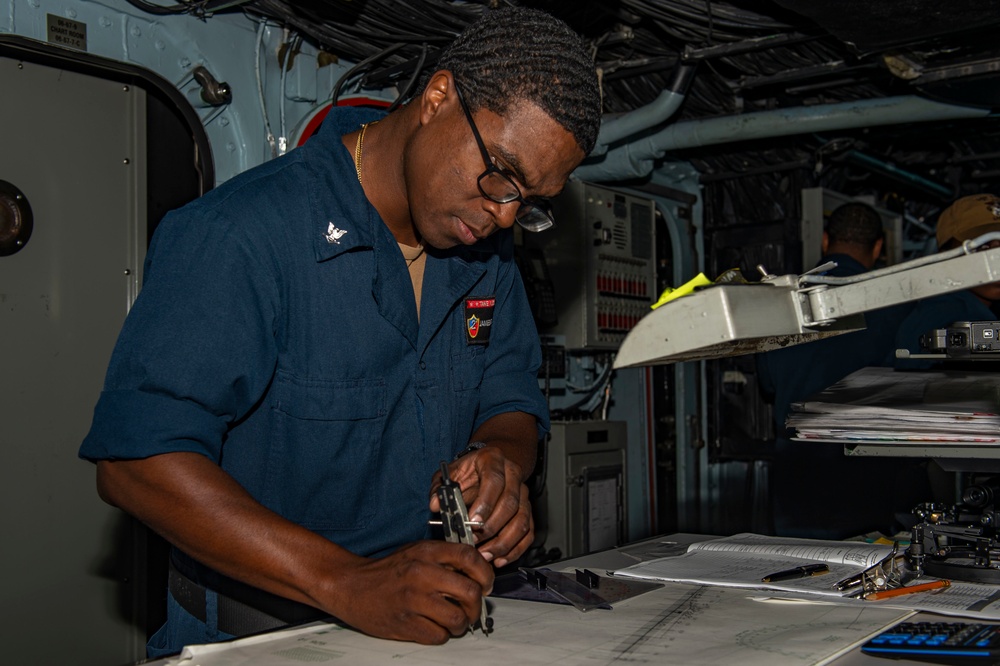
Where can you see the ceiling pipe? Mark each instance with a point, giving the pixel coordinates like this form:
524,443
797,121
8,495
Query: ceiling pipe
638,158
942,192
651,115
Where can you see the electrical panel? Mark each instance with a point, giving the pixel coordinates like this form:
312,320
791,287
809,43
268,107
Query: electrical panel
583,507
601,258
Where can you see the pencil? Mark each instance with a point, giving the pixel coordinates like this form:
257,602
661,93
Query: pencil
899,591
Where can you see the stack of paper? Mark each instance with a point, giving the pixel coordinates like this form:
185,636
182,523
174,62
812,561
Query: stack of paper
744,560
881,404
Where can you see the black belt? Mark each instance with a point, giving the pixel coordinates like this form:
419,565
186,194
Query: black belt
257,611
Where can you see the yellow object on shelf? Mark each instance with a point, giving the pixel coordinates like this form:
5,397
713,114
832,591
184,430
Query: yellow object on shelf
670,294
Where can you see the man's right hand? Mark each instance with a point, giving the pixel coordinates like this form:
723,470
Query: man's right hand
425,592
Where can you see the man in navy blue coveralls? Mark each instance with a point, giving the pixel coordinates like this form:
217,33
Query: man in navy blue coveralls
807,478
316,335
965,219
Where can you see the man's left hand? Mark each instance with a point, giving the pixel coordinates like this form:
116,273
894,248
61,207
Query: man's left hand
495,495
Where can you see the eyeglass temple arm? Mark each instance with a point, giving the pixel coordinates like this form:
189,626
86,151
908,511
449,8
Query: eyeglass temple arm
475,130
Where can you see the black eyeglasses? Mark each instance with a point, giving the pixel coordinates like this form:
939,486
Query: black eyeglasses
497,186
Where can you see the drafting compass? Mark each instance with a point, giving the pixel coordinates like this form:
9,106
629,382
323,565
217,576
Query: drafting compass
457,527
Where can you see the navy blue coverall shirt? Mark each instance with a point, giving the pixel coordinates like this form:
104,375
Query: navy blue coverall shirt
277,334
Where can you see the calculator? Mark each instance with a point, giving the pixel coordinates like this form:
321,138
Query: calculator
938,642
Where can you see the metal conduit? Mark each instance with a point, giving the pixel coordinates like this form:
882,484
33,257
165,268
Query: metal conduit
651,115
637,159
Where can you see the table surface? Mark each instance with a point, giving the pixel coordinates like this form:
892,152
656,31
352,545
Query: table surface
675,624
618,557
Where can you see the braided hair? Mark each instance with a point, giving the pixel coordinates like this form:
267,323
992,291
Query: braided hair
515,54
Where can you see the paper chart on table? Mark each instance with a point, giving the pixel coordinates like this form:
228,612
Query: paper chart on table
676,624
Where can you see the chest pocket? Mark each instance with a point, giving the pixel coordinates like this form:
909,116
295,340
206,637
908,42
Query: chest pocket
467,370
323,465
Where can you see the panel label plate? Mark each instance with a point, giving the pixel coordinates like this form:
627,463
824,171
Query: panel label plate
66,32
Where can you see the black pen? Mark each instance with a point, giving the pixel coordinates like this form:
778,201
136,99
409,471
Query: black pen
797,572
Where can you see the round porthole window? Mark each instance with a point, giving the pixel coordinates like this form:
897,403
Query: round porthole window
15,219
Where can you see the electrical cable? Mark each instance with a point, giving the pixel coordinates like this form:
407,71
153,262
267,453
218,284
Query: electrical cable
635,44
199,8
260,86
335,95
223,5
291,46
638,53
593,393
405,92
160,10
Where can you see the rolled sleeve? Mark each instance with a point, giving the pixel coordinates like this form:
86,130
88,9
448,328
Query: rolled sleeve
134,424
198,348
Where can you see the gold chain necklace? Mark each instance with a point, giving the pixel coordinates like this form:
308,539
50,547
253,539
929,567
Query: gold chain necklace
359,146
409,262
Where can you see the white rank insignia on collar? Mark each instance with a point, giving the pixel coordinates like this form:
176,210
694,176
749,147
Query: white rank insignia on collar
333,234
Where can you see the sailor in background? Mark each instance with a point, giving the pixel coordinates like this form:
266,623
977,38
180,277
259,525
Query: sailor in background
815,488
966,219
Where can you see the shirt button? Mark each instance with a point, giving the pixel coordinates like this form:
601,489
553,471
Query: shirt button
423,366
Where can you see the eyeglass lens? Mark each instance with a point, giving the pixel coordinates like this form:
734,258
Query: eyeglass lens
495,186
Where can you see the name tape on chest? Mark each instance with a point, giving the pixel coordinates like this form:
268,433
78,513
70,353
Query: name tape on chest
479,320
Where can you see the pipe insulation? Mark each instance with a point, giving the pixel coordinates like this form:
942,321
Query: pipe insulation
658,111
637,159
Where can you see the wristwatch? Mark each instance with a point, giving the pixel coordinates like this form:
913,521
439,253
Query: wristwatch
473,446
